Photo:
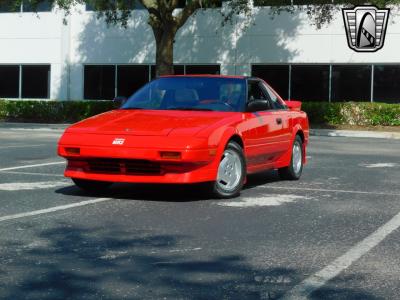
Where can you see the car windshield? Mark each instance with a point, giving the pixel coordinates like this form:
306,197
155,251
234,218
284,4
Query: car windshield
190,93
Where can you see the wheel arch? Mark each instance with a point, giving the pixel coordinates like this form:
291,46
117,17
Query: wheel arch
300,133
236,138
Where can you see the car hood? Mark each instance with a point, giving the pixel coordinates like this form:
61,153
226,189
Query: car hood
150,122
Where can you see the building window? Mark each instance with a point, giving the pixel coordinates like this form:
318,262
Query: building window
121,5
272,2
178,70
89,7
277,76
8,6
202,69
214,4
41,7
9,81
131,78
387,83
310,82
25,6
310,2
351,83
35,81
99,82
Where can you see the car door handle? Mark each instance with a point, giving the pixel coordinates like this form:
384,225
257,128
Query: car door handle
278,121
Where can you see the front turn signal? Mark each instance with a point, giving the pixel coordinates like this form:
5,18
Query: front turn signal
72,151
170,155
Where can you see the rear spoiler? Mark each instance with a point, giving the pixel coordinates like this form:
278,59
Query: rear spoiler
293,104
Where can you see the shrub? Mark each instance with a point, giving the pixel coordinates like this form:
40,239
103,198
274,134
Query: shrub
51,111
353,113
337,113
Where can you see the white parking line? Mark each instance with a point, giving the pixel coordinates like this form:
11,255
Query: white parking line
22,146
316,281
23,186
32,166
30,173
328,190
52,209
254,201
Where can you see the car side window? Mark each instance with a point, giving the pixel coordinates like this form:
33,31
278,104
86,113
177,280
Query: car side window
255,92
274,100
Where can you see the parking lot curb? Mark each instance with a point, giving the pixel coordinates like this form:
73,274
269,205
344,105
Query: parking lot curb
313,132
355,133
33,126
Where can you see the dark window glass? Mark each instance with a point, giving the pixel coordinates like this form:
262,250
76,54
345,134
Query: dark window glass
41,7
131,78
272,2
351,83
310,83
89,7
274,100
35,82
181,4
202,69
277,76
152,72
255,91
9,6
110,5
178,70
308,2
99,82
387,83
9,81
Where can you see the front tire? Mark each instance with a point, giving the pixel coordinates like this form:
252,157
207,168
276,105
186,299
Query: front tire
295,168
91,185
231,172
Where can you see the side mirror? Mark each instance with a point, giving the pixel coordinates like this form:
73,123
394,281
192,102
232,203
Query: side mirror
119,101
257,105
293,104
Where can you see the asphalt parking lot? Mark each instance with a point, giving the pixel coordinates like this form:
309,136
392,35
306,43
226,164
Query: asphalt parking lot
334,234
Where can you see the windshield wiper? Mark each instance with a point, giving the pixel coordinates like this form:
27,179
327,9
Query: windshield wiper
189,108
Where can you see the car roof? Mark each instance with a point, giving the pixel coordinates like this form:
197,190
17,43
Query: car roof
207,75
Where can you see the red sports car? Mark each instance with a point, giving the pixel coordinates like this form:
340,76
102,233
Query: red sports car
190,129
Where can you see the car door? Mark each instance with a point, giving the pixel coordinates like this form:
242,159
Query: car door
264,128
282,113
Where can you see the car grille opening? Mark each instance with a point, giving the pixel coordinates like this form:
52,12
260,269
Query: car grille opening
122,166
129,166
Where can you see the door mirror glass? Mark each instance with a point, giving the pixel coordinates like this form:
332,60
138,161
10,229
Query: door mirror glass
257,105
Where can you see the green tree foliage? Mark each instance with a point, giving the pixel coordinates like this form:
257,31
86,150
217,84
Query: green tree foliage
165,22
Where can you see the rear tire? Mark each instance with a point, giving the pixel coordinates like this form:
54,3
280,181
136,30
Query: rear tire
295,168
231,172
91,185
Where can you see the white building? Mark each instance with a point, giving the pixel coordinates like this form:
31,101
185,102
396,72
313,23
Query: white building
40,57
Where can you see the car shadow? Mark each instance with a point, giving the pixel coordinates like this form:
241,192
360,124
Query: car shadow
166,192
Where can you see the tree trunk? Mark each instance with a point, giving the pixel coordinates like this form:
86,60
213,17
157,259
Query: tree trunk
165,51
